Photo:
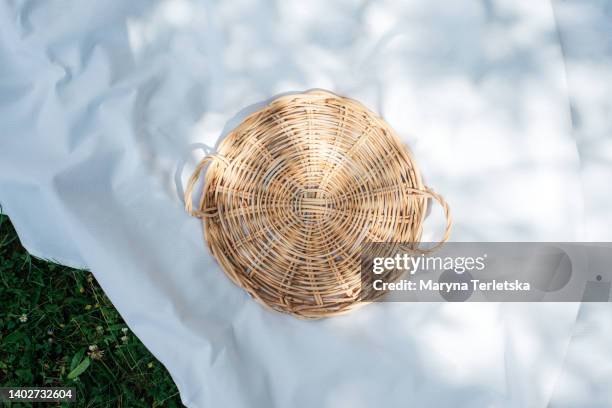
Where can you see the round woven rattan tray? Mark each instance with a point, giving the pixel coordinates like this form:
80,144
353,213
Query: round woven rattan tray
296,189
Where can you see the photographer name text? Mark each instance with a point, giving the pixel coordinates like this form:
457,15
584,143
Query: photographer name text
432,285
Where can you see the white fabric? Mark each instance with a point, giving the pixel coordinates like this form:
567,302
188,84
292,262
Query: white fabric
104,109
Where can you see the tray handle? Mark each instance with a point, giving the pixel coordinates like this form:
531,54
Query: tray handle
201,211
429,193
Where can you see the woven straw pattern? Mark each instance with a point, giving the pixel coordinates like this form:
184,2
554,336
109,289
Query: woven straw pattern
296,189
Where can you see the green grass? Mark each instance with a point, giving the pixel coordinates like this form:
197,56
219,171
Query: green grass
51,317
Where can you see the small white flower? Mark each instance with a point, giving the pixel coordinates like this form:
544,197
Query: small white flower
124,339
23,318
95,353
125,330
100,329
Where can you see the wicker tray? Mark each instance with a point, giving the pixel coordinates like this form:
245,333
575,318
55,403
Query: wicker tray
296,189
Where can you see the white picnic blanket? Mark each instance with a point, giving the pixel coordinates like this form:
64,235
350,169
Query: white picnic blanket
106,106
